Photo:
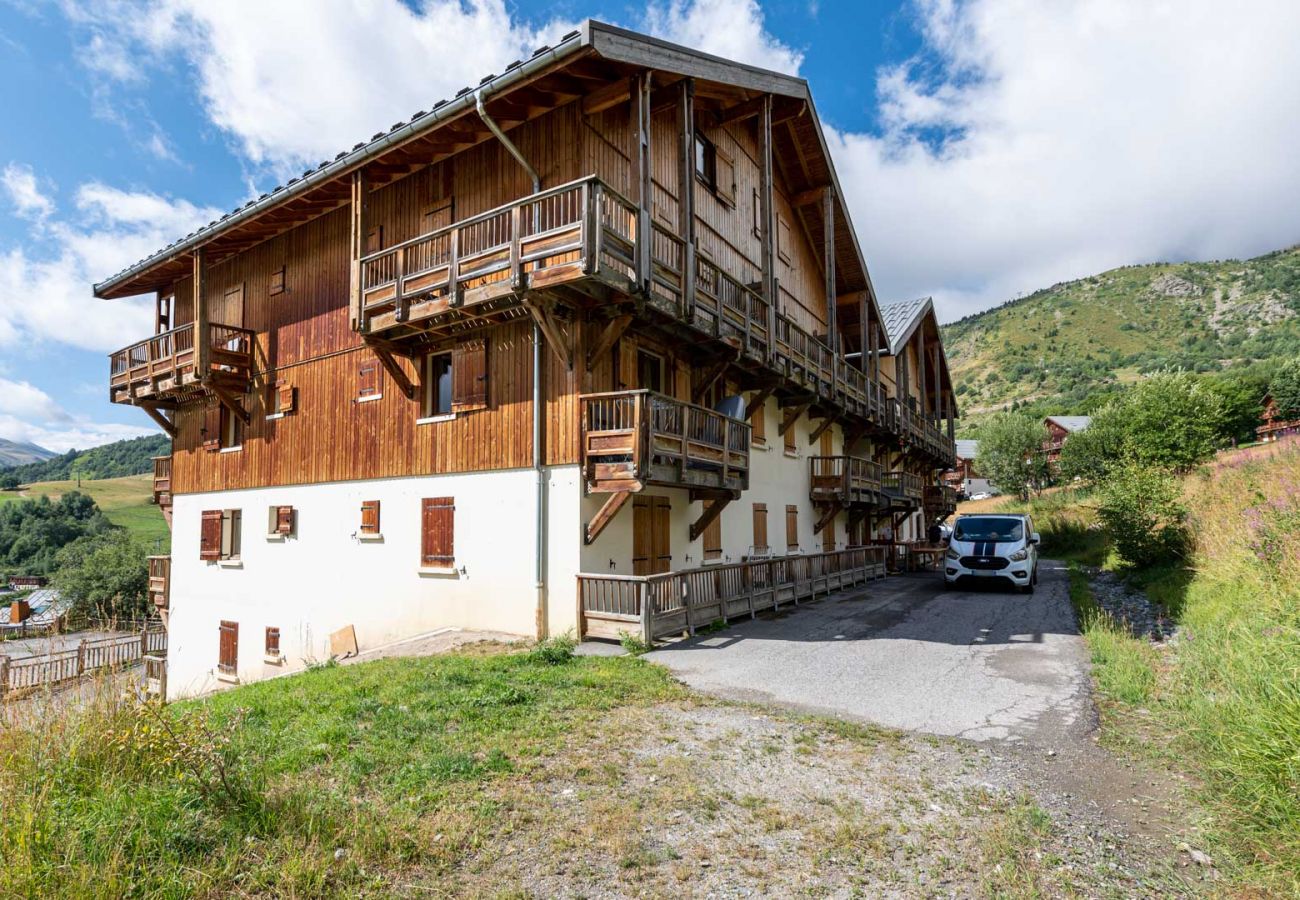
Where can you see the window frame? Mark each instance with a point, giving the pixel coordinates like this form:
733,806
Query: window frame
429,393
276,282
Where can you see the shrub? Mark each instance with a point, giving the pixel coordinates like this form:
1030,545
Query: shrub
105,575
633,644
555,650
1142,510
1009,453
1285,389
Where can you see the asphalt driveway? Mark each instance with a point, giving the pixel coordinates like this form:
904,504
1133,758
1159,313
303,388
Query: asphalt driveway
980,664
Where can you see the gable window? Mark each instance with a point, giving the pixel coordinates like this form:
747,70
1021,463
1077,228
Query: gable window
716,169
438,533
219,535
436,386
276,283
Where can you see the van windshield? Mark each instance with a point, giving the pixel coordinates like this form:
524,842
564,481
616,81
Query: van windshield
989,528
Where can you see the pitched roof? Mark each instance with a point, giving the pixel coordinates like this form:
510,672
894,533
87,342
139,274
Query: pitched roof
967,449
901,318
1071,423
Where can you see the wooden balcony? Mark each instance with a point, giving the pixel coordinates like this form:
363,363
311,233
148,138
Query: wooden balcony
844,480
655,606
631,439
162,480
902,488
165,366
160,580
940,500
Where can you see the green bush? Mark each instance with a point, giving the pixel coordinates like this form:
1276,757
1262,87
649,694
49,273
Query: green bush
555,650
1285,389
1142,510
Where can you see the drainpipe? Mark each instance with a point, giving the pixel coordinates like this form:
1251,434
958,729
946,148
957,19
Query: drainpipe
539,548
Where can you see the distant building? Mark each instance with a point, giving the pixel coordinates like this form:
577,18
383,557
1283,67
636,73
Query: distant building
23,582
1274,425
963,478
1059,429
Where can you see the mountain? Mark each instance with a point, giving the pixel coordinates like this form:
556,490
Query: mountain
1063,349
129,457
13,453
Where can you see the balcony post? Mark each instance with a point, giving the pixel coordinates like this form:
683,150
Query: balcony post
828,259
202,346
765,220
937,380
359,225
686,196
642,163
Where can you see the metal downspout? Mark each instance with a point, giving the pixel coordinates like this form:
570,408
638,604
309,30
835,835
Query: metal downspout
539,549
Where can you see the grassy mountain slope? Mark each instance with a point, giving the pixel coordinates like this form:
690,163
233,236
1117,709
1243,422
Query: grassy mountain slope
1061,349
13,453
116,460
125,501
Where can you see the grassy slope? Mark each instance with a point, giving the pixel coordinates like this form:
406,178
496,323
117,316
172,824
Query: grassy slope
125,501
1068,342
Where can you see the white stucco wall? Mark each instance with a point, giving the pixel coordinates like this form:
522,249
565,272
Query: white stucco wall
325,576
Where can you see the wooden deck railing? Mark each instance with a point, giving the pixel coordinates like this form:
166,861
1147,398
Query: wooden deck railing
652,606
844,479
634,438
166,363
162,480
160,580
30,672
940,499
902,485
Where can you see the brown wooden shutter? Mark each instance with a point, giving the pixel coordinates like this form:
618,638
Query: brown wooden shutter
370,517
828,536
284,520
276,285
828,446
272,642
758,425
285,394
368,379
663,559
726,176
790,446
228,651
438,531
791,527
375,239
783,239
760,526
469,375
713,538
210,534
212,427
642,537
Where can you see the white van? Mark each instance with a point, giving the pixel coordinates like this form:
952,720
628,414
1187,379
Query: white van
985,546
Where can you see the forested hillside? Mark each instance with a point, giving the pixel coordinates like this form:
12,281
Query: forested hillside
129,457
1066,348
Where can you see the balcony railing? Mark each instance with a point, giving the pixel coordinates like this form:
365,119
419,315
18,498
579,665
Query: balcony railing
166,364
160,580
902,485
634,438
162,480
940,499
844,479
652,606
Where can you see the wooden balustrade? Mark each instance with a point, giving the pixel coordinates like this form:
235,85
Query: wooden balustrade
160,580
652,606
940,499
165,365
902,485
162,480
844,479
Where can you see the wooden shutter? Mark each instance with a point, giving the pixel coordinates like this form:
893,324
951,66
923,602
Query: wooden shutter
783,240
368,379
212,427
827,446
438,529
285,395
828,536
760,526
375,239
713,537
725,169
370,517
791,527
663,558
469,375
228,650
642,526
284,520
790,446
272,642
276,285
210,534
758,425
436,217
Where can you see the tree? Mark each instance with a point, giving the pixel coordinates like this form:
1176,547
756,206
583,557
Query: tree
1285,389
1091,454
1172,420
9,481
1010,453
1242,396
1142,509
105,575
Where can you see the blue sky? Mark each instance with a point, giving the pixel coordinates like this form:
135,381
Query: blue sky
988,147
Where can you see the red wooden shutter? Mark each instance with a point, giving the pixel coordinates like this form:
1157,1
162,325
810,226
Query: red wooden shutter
284,520
212,427
438,527
368,379
284,396
210,534
272,642
370,517
792,527
469,375
228,651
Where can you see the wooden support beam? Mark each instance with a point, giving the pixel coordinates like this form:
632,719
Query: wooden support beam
759,398
555,337
604,516
809,197
828,515
791,415
164,423
202,346
229,401
711,512
712,374
643,172
359,222
828,258
609,96
686,192
742,111
395,370
609,336
827,422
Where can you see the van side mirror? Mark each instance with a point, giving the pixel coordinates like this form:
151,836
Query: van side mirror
1034,538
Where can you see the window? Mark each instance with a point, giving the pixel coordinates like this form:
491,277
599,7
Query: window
438,533
713,537
276,283
369,381
228,648
370,517
792,527
758,426
219,534
469,376
272,648
758,214
280,520
649,371
283,398
716,169
221,430
232,430
760,527
437,385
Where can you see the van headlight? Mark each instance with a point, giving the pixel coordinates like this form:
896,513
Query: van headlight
953,554
1020,554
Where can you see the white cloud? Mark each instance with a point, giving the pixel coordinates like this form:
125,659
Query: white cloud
29,201
733,29
29,415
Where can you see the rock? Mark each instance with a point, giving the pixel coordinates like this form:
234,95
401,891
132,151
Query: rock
340,854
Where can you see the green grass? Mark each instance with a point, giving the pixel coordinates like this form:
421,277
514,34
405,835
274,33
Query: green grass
391,762
1124,666
125,501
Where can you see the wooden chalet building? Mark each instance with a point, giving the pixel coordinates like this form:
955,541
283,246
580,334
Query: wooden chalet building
589,346
1059,429
1274,425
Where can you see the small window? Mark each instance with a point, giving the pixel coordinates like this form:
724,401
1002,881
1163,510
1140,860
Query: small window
437,385
760,527
230,533
792,527
438,533
281,520
370,517
272,648
232,430
228,649
713,538
706,161
219,534
284,398
276,284
650,371
368,381
469,375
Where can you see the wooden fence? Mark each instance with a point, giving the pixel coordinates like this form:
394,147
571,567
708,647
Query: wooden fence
653,606
116,651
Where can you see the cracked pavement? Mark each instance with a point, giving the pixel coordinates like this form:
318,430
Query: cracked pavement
981,664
